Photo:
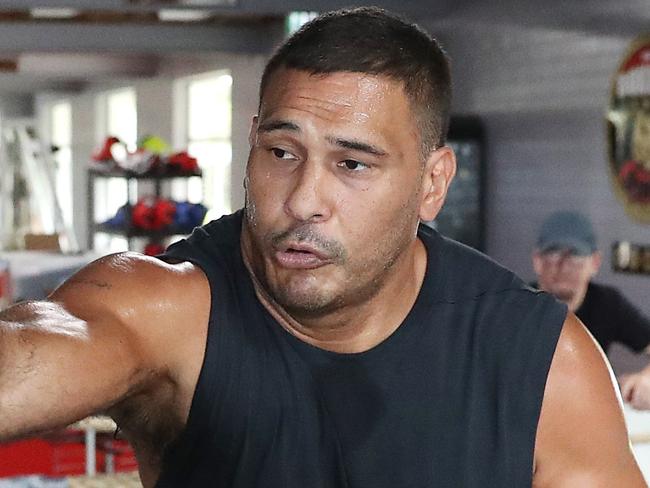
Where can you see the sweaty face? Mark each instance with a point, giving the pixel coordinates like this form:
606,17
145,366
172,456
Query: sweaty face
565,275
333,188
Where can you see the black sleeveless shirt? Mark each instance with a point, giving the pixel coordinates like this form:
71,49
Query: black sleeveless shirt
451,399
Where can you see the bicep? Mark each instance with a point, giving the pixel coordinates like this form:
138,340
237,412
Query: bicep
581,436
56,368
76,354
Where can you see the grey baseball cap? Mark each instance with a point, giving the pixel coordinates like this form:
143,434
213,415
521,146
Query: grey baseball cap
569,231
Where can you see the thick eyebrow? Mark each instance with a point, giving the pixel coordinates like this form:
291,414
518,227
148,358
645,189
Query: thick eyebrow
357,146
273,125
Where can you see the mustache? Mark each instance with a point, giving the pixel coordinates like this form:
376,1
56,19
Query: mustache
307,234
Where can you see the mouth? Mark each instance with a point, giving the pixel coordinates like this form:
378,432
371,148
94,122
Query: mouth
301,256
563,295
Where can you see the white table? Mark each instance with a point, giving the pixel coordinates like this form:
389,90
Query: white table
638,426
34,274
91,426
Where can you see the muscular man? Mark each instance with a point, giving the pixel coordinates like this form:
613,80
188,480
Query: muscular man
566,258
320,337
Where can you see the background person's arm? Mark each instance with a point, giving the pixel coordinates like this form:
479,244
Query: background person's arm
635,389
92,344
582,440
634,330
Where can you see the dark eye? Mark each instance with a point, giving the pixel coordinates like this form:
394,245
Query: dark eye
352,165
281,153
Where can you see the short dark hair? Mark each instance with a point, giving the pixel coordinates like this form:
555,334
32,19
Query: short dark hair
374,41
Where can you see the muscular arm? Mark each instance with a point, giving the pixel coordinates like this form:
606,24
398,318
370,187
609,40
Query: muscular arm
102,336
581,437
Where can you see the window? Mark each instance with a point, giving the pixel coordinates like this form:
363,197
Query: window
119,116
295,20
204,128
59,116
116,112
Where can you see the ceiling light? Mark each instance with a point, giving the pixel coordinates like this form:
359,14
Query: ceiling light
182,15
53,13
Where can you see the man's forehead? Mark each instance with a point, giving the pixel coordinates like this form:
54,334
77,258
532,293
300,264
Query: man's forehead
343,88
356,108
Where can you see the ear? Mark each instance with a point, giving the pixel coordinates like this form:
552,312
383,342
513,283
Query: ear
596,261
439,170
252,133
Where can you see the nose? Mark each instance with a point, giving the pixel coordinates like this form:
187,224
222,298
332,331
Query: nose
308,200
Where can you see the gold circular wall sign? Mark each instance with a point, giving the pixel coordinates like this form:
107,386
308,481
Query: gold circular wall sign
628,130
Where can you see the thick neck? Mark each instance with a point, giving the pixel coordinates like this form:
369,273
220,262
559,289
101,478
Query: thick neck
353,328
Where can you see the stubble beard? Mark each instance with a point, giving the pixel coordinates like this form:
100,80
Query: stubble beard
303,297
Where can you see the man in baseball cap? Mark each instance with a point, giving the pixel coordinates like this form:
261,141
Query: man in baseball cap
566,259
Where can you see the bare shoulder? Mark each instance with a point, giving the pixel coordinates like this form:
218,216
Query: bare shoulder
129,272
166,308
581,435
132,284
153,299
